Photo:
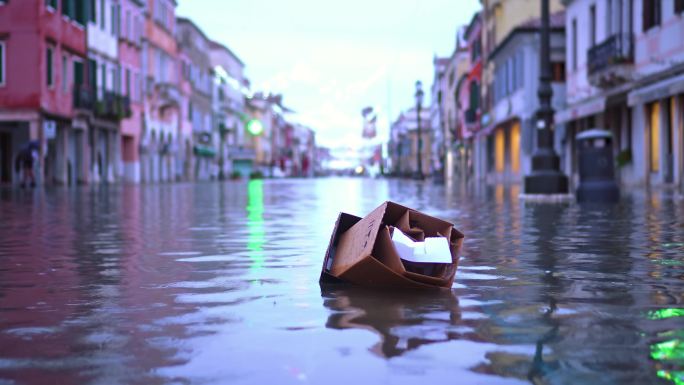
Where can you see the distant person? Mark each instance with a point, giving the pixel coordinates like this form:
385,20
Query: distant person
24,164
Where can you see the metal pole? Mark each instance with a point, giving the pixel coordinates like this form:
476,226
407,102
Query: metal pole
546,177
419,158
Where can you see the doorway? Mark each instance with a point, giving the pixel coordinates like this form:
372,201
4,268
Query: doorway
5,158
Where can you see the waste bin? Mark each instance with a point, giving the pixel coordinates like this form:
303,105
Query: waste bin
596,169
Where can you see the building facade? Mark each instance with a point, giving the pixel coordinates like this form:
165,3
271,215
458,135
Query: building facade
39,89
437,93
505,144
229,108
404,142
458,66
132,19
625,74
198,72
160,145
468,101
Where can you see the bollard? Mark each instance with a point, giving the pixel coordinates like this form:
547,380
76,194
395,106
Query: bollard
596,169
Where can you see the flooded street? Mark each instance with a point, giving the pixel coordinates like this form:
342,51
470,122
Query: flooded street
217,283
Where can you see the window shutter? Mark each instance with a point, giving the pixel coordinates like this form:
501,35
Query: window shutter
646,4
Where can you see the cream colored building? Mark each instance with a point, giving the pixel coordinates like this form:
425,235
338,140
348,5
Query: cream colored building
458,66
499,18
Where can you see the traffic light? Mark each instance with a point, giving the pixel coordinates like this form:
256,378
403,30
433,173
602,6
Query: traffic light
255,127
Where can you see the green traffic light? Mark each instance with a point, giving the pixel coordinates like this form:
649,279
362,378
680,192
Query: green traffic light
255,127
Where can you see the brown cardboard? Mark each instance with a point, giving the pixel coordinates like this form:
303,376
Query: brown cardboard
361,249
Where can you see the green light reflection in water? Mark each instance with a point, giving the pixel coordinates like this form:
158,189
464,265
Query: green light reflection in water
255,223
675,376
665,313
672,350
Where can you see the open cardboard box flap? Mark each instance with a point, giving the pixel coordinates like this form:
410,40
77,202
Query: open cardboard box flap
361,250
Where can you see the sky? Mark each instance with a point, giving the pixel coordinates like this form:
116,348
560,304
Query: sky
330,59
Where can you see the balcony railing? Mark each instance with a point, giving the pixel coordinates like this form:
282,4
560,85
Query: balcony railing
113,106
83,97
617,49
107,106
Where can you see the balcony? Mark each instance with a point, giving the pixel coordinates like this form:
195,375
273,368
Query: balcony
113,106
83,97
610,63
169,94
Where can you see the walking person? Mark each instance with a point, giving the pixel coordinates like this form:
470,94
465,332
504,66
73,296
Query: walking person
24,164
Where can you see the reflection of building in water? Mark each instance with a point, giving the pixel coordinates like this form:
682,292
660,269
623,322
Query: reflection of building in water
255,222
404,321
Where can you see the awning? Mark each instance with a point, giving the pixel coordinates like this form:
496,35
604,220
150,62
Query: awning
204,151
583,109
659,90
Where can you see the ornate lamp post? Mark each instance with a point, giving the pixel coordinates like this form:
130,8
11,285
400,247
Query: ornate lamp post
546,177
419,153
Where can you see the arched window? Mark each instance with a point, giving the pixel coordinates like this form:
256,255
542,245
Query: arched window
474,96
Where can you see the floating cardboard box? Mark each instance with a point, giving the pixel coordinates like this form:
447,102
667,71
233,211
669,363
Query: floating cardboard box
393,246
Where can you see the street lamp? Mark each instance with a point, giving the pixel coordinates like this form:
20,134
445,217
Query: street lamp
419,103
546,177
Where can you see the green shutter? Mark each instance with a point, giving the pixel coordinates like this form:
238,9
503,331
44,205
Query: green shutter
78,73
93,17
92,74
2,63
49,67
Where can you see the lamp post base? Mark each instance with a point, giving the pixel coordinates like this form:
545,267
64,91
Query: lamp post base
418,176
546,182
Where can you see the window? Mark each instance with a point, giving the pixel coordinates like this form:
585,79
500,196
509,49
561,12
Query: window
679,6
80,12
49,65
2,63
103,73
574,44
65,73
93,12
651,14
78,72
66,7
102,15
558,72
137,87
592,25
50,4
654,110
92,74
474,96
129,26
114,26
128,82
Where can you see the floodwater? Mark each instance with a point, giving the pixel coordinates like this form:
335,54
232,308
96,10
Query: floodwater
217,283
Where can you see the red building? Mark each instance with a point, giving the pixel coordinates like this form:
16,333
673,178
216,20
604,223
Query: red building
36,85
468,98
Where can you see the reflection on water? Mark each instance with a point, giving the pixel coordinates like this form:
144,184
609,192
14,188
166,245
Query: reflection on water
255,222
217,283
402,320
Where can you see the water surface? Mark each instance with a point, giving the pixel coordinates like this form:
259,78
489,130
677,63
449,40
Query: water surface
217,283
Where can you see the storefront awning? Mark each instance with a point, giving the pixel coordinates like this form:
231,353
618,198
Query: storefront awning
655,91
583,109
204,151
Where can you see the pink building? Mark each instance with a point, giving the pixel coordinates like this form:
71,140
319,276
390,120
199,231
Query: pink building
469,110
37,84
130,59
162,116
